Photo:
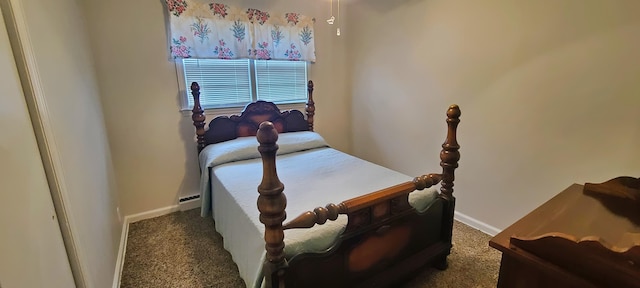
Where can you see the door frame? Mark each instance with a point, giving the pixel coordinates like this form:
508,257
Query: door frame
20,41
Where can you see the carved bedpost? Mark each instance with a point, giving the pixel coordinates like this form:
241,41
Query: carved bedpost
271,204
311,108
449,155
197,115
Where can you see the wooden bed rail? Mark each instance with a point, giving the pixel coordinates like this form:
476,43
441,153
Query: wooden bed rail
387,197
198,117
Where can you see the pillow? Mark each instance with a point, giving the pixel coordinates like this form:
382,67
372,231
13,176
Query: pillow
244,148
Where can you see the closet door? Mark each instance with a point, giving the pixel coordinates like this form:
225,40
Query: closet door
32,253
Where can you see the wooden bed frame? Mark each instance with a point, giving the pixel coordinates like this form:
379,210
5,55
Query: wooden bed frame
386,240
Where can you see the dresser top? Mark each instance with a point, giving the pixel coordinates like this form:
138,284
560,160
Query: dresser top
613,220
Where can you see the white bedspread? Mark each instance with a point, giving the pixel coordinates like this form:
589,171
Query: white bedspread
313,177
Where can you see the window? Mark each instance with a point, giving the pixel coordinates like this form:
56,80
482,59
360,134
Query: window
237,82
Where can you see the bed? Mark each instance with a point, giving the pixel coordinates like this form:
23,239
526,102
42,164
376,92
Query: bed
353,223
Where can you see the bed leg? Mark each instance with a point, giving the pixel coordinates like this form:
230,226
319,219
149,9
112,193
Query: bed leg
441,263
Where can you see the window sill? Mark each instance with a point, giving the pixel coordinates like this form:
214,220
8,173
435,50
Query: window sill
215,112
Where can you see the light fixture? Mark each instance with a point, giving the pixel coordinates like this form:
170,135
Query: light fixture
332,19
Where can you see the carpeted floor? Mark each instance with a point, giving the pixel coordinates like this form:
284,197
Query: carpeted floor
182,249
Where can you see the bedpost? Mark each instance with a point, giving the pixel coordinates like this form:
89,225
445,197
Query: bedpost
271,204
311,108
450,155
197,115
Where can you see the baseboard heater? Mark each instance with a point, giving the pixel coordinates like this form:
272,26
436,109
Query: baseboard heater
189,202
187,198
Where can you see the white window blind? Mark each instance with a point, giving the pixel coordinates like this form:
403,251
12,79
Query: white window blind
281,81
223,83
235,83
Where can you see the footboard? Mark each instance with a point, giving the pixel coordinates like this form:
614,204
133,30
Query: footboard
387,244
385,240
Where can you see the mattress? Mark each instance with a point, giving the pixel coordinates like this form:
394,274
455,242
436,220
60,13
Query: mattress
313,175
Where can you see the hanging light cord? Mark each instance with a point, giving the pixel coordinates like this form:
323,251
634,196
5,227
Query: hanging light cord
338,10
339,19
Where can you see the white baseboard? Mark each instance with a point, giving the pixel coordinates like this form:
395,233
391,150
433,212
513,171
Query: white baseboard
122,250
151,214
477,224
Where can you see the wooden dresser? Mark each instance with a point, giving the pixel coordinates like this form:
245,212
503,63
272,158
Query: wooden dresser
573,240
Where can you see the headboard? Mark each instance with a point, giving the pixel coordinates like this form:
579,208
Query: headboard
224,128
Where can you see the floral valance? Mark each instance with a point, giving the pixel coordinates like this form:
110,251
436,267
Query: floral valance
202,29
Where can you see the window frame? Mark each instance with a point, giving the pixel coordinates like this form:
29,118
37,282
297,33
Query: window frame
184,91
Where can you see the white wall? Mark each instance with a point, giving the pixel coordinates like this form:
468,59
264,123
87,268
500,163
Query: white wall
152,141
33,254
62,75
548,89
